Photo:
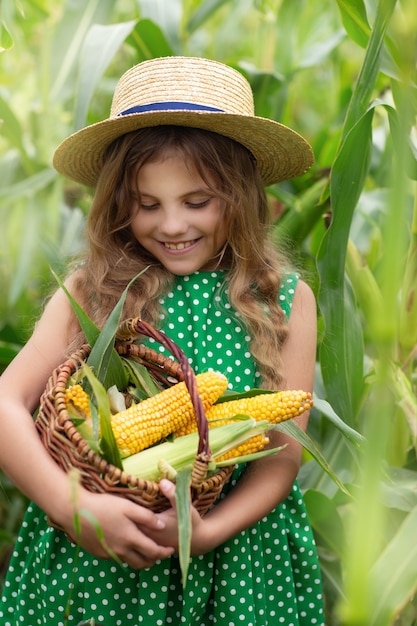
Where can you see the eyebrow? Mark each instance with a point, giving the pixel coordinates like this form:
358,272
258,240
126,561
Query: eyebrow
194,192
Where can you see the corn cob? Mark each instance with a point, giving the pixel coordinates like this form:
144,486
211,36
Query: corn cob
146,423
250,446
166,458
273,407
79,398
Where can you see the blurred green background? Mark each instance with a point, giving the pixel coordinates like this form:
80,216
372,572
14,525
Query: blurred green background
343,74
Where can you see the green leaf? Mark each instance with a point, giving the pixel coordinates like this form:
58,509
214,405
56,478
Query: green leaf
107,442
72,28
99,48
107,371
317,52
293,430
83,427
6,39
325,519
30,185
183,504
115,374
399,489
305,210
167,15
204,12
364,88
341,351
247,458
268,90
326,409
229,395
149,41
355,20
395,572
90,330
11,128
141,378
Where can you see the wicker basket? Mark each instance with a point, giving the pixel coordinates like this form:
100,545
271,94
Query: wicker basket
70,450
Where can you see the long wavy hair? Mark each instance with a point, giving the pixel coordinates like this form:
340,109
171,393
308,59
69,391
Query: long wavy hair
114,256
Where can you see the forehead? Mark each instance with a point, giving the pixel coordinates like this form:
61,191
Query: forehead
177,158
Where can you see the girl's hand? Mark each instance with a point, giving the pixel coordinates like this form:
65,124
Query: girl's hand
200,542
113,525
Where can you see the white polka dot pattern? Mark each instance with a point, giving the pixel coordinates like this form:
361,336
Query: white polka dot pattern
267,575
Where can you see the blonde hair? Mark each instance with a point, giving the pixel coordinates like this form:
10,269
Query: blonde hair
115,257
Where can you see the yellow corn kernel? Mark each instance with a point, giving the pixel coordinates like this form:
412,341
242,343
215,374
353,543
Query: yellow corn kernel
79,398
250,446
146,423
272,407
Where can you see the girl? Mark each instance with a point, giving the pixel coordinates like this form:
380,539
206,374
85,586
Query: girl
179,171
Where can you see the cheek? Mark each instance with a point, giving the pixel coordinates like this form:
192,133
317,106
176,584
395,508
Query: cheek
220,226
140,225
134,228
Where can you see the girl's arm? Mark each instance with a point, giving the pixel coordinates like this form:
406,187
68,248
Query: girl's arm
29,466
268,481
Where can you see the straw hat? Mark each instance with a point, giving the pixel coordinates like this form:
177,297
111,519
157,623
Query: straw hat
186,91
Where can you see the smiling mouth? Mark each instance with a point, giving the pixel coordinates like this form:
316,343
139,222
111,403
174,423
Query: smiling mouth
182,245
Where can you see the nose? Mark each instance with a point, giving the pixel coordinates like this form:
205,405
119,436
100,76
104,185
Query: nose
173,222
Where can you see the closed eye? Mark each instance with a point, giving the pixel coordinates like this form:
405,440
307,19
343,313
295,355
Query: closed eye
199,205
149,207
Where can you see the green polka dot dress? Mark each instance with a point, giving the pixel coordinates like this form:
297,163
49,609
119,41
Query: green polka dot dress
267,575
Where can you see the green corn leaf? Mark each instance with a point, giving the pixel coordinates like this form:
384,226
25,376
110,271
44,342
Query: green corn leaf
107,442
137,394
355,20
88,327
203,12
247,458
395,571
341,351
141,378
104,37
183,504
293,430
228,395
149,40
325,408
99,358
83,427
6,39
115,373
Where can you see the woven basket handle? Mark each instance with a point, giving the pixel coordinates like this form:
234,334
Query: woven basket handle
131,328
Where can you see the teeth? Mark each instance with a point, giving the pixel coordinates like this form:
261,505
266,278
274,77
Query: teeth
178,246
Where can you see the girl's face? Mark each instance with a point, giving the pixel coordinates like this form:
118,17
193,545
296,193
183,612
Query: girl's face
178,216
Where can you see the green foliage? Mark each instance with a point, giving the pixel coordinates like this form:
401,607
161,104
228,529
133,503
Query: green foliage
344,75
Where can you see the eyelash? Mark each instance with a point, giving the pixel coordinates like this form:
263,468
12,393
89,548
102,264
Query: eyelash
199,205
192,205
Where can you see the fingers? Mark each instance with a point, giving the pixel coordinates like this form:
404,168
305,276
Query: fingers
133,547
144,517
124,529
140,560
168,489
